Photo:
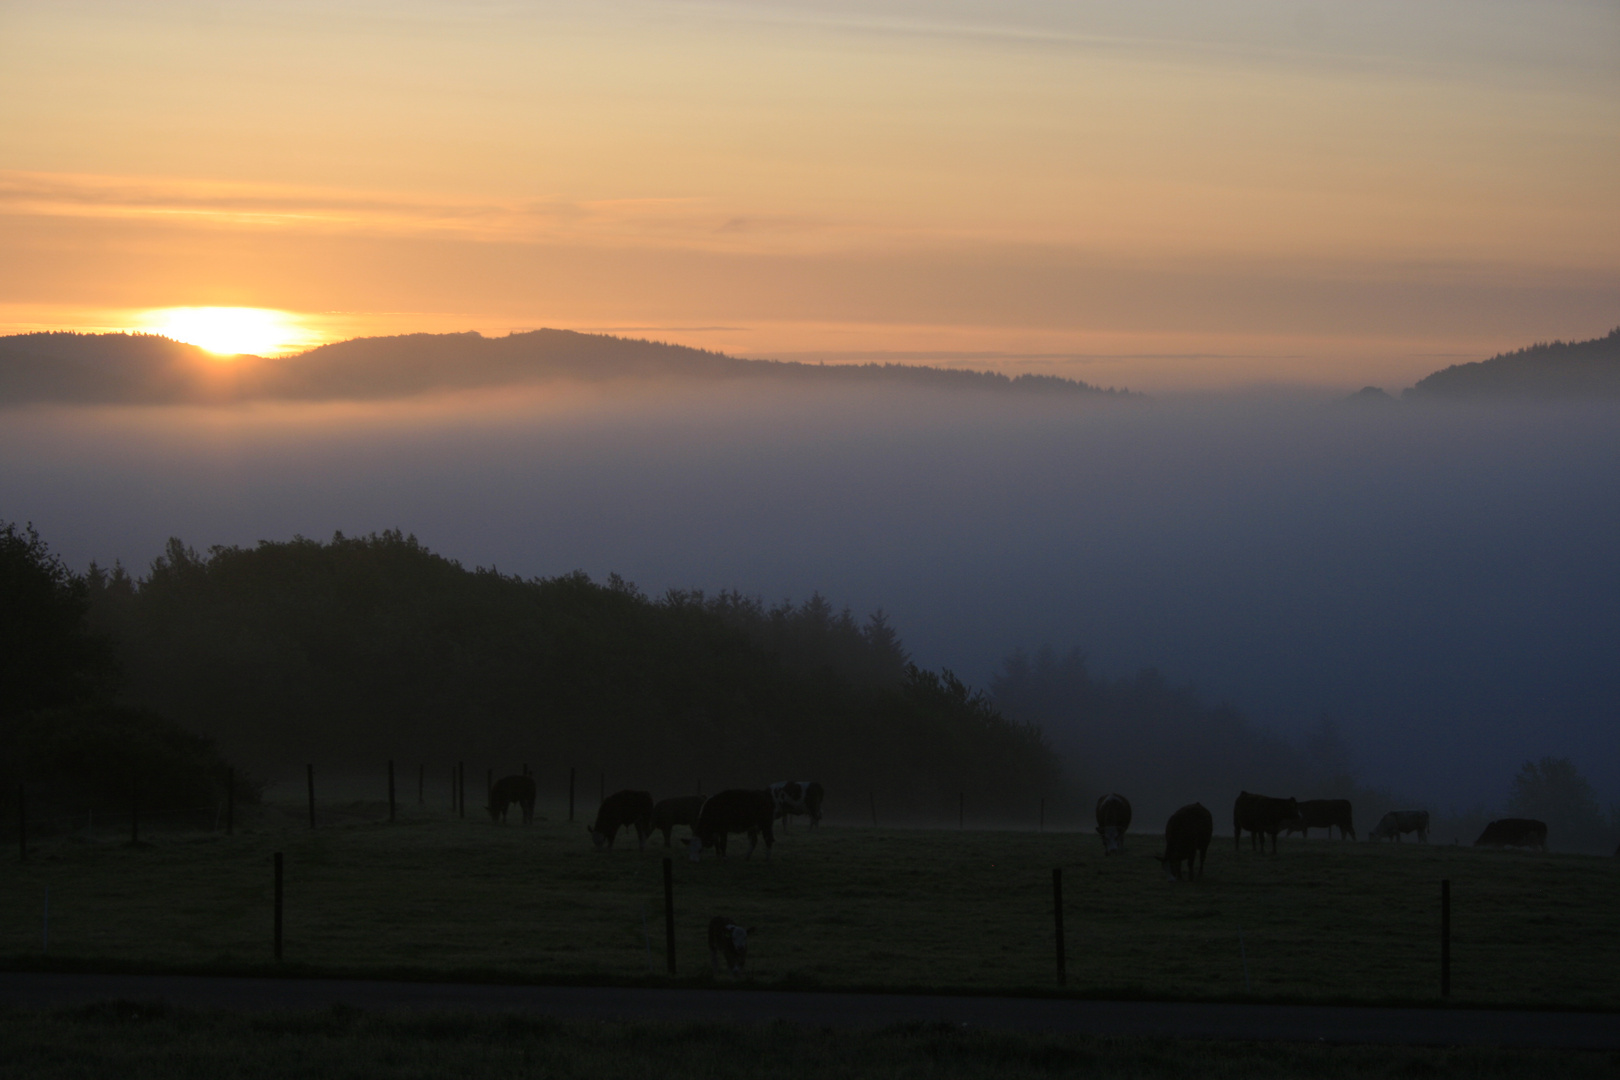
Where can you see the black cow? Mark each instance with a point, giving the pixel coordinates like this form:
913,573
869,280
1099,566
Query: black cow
797,797
1396,823
1261,816
1187,834
733,811
623,809
1113,818
1326,814
681,810
509,790
1514,832
730,940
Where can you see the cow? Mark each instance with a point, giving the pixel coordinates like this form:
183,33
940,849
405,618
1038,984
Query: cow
1186,835
681,810
623,809
1323,814
1261,815
1113,818
797,797
1514,832
733,811
1393,824
509,790
728,939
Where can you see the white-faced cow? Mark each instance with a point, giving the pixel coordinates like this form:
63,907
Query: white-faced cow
623,809
1514,832
1326,814
1261,816
1187,835
681,810
1113,818
509,790
793,797
1398,822
729,940
735,810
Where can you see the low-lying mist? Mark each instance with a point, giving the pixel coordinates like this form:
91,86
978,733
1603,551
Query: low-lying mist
1440,580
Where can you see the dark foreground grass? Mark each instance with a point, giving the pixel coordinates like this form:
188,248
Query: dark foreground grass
834,908
133,1041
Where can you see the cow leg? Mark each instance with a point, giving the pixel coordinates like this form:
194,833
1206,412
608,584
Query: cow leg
753,842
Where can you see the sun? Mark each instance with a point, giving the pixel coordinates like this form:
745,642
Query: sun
229,331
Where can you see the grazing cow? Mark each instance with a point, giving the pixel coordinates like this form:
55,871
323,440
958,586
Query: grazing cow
623,809
1393,824
1326,814
1261,816
1514,832
1187,834
733,811
509,790
728,939
1113,818
668,813
797,797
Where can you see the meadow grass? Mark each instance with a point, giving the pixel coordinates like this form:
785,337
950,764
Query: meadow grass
134,1042
834,908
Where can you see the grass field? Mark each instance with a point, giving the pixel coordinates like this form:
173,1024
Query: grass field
136,1042
834,908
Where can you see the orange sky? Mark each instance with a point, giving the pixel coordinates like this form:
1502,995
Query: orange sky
1161,196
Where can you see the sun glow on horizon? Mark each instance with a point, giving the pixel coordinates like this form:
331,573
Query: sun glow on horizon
231,331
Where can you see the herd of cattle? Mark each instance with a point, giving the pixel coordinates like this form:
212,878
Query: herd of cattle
1188,832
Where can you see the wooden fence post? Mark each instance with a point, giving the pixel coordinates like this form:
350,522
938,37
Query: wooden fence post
277,931
1057,918
669,912
1445,937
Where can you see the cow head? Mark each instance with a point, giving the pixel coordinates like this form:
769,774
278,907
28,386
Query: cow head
600,839
1113,838
694,849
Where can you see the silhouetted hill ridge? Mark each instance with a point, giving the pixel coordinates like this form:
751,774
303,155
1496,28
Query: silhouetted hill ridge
145,369
1557,369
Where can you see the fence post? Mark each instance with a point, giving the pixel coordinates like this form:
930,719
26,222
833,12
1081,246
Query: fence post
669,912
873,796
311,773
390,791
230,802
1445,937
135,810
277,932
961,810
461,789
421,783
22,819
489,787
1057,918
1043,815
570,794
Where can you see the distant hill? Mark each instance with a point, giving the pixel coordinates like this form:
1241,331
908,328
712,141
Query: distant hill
146,369
1559,369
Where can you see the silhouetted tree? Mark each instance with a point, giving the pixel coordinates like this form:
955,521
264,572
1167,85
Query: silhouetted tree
1554,791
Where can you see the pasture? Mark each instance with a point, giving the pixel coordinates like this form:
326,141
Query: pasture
837,907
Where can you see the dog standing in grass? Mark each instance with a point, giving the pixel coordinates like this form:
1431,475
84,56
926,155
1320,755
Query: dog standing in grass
728,939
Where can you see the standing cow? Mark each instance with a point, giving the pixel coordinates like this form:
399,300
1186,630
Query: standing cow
1396,823
797,797
733,811
728,939
1113,818
681,810
509,790
623,809
1326,814
1514,832
1261,816
1187,834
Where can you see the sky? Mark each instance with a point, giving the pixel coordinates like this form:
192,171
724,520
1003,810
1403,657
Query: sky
1162,196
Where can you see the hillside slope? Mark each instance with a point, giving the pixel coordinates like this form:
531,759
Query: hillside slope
1558,369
